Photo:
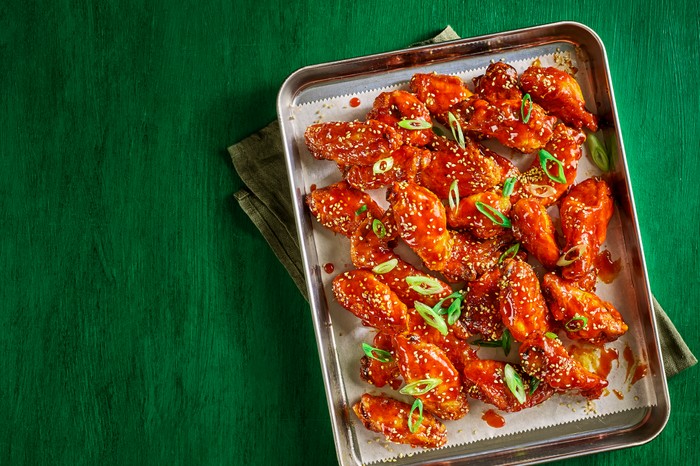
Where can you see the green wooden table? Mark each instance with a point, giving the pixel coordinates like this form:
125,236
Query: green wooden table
143,319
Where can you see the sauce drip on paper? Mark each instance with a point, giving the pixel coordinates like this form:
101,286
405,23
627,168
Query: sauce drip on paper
493,419
354,102
607,268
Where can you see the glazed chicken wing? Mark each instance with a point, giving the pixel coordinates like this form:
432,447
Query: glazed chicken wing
582,314
439,92
484,380
402,165
337,207
361,293
454,344
470,258
547,359
352,143
380,372
585,213
418,360
466,214
390,417
499,82
392,107
480,310
533,227
558,93
421,221
522,306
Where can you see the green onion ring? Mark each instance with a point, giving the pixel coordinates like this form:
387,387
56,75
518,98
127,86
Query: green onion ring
453,197
413,426
508,186
414,388
577,252
494,215
541,190
551,335
455,126
385,267
544,157
534,383
576,326
509,253
430,317
362,209
383,165
438,306
376,353
424,285
415,124
528,99
598,153
515,383
454,311
378,228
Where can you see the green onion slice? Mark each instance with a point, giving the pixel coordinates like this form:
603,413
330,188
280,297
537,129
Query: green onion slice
457,133
576,323
453,196
515,383
551,335
509,253
546,156
488,344
378,228
454,311
376,353
362,209
598,153
527,100
438,309
506,341
385,267
415,124
424,285
508,186
413,425
534,383
572,255
420,387
383,165
494,215
541,190
431,317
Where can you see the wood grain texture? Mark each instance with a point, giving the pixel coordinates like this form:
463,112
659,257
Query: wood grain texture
143,319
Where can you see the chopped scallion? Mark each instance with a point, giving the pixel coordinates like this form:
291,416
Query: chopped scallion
430,317
494,215
424,285
527,101
414,425
546,156
385,267
415,124
457,133
420,387
515,383
376,353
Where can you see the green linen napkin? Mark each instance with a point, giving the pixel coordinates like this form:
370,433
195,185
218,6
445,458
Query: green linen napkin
259,161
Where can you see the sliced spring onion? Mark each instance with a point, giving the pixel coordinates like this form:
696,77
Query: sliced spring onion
508,186
506,341
494,215
420,387
527,101
509,253
378,228
431,318
576,323
376,353
383,165
541,190
362,209
534,383
551,335
612,150
438,131
424,285
572,255
457,133
453,197
488,344
415,124
515,383
598,153
414,425
454,311
546,156
385,267
438,309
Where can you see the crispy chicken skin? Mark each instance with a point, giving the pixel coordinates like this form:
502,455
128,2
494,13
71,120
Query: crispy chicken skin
585,213
484,380
480,311
470,258
361,293
421,221
596,321
533,227
353,142
565,146
336,207
439,92
392,107
419,360
467,216
522,306
547,359
474,170
390,417
407,162
380,373
558,93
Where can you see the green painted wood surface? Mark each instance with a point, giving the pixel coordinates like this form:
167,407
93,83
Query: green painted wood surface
143,319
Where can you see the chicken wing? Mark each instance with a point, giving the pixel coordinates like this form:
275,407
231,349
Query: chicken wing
533,227
352,143
392,107
418,360
439,92
403,165
338,207
522,306
466,214
547,359
390,417
471,258
480,310
582,314
381,373
499,82
558,93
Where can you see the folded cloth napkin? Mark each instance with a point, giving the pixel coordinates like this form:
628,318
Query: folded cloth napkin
259,161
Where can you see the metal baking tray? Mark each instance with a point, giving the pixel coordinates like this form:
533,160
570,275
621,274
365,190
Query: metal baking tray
355,76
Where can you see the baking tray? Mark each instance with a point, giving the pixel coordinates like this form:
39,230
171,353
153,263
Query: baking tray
316,84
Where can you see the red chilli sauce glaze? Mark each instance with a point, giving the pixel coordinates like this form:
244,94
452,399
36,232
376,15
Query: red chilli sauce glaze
493,419
354,102
329,267
598,360
636,370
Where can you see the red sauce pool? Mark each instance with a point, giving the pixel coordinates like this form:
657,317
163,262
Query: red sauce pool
493,419
639,372
607,268
629,359
636,370
598,360
354,102
329,267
